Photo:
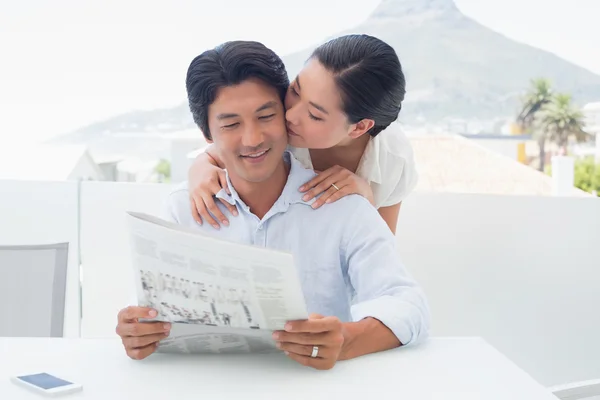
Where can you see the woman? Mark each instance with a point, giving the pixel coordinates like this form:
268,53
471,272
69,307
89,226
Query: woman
338,108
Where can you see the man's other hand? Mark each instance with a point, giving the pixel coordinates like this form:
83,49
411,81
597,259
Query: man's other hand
140,339
299,338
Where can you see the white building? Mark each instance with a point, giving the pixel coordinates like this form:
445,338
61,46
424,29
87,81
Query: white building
135,169
591,112
49,163
512,146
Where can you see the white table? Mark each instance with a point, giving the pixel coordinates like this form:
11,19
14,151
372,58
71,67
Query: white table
442,368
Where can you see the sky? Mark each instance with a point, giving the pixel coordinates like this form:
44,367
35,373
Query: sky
69,63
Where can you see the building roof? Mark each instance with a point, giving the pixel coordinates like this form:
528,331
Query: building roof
452,163
499,136
42,162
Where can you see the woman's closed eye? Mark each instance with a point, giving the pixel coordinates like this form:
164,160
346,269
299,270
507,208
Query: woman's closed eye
310,115
313,117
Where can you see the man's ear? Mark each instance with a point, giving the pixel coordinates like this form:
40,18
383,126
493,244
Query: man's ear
361,127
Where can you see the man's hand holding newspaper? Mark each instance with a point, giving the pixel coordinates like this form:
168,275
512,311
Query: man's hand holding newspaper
299,339
218,297
140,339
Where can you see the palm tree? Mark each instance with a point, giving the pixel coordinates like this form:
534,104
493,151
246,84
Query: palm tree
539,95
561,121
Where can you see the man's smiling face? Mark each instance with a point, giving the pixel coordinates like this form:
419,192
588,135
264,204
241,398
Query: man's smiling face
247,125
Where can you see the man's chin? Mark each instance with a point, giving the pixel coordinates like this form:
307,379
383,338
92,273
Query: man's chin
252,172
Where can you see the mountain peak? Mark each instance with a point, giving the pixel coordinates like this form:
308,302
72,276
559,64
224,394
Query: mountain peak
403,8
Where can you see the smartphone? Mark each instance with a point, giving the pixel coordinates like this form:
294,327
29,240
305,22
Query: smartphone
46,384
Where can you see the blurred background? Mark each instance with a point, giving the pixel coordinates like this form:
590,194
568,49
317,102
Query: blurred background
106,79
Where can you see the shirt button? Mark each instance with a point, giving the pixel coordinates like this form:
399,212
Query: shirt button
260,227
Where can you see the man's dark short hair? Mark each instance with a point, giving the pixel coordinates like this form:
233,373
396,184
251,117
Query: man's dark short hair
230,64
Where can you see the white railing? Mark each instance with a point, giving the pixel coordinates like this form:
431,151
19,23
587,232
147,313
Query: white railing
108,278
522,272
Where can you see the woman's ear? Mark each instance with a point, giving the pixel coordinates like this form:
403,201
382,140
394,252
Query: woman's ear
361,127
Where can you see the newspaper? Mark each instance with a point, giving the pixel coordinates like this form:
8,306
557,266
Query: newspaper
220,296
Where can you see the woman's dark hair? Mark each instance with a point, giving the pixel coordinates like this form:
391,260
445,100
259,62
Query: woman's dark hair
369,77
230,64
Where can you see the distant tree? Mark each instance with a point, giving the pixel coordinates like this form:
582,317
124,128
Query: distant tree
587,175
163,170
562,121
537,97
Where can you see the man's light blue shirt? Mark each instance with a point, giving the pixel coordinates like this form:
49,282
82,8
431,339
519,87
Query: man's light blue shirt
345,253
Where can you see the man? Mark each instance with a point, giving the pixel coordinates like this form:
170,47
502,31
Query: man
361,297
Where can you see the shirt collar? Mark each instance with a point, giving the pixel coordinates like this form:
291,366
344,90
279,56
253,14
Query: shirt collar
370,165
297,176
